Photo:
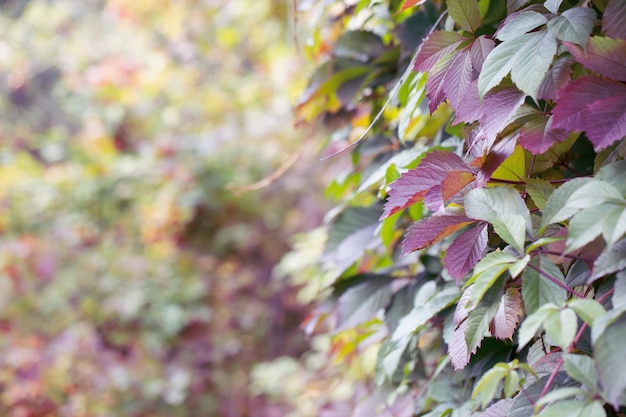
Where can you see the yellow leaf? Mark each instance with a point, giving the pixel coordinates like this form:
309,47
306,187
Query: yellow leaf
513,168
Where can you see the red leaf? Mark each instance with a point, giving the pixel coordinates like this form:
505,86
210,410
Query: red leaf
505,321
469,108
407,4
593,105
436,46
466,250
413,185
431,230
537,134
614,20
605,56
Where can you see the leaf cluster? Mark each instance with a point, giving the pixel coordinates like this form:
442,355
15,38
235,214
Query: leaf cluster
482,221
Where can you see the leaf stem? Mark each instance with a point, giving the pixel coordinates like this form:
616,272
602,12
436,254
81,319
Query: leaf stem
570,348
556,281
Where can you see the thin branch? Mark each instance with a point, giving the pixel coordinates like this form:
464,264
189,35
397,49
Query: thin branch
392,95
556,281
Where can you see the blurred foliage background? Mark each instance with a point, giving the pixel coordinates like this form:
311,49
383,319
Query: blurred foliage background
135,280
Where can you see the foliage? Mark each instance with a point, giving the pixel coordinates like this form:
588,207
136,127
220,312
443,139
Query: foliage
481,223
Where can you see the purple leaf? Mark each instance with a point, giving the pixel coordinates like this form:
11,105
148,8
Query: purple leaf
498,409
593,105
556,78
497,110
436,81
605,56
497,155
480,49
469,109
436,46
457,346
506,319
431,230
413,185
614,20
458,78
466,250
537,134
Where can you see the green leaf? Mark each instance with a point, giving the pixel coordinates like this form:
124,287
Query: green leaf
609,339
588,224
533,62
505,209
487,386
465,13
537,290
614,225
614,174
582,369
559,394
487,272
527,57
593,194
561,326
573,25
588,310
522,23
556,209
611,260
540,191
531,325
571,408
511,384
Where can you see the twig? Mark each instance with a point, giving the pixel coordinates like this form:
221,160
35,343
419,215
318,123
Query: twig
556,281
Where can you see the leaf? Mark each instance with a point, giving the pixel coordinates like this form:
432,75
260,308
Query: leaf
359,45
413,185
594,194
481,47
614,19
527,57
533,62
582,369
556,78
561,327
486,387
506,319
458,351
487,272
431,230
512,168
593,105
573,25
556,209
504,208
571,408
498,409
588,224
500,152
531,325
465,13
588,310
361,302
540,191
537,290
466,250
537,134
610,356
605,56
611,260
519,24
407,4
560,394
436,46
457,79
496,112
